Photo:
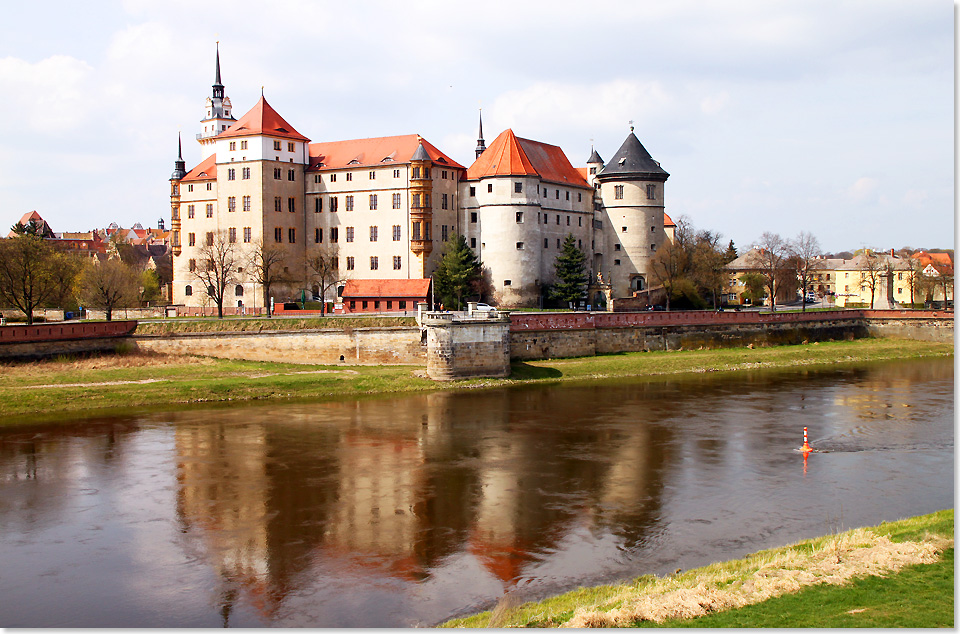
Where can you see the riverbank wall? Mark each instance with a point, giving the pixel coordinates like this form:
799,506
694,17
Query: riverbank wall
38,341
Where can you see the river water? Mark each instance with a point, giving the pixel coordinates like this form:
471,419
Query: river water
408,511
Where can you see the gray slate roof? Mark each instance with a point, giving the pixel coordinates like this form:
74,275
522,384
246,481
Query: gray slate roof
632,159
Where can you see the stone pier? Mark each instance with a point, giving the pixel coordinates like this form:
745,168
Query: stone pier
464,345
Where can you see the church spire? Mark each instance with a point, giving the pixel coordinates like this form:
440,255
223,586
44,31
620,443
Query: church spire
481,146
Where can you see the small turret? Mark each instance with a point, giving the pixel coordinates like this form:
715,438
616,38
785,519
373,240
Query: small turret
179,166
481,145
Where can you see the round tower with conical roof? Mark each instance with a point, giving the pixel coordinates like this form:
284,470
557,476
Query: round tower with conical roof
631,192
179,171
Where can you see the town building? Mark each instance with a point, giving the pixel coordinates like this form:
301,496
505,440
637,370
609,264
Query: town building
382,208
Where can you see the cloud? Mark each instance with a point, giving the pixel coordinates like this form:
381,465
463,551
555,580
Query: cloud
863,189
48,97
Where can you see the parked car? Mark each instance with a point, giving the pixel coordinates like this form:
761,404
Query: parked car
484,307
811,298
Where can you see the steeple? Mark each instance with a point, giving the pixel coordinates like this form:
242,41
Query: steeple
481,146
217,84
217,112
179,166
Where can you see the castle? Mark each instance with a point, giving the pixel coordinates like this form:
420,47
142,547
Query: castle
383,207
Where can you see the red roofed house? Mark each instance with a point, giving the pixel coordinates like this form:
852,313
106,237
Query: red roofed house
381,208
375,296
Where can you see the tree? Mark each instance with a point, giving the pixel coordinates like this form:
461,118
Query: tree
772,252
669,264
458,274
33,272
707,264
108,285
325,265
805,249
753,286
266,262
148,287
571,271
217,268
730,254
32,228
871,271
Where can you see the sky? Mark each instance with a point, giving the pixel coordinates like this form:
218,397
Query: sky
833,117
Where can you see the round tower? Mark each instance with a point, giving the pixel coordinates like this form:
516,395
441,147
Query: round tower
631,188
179,171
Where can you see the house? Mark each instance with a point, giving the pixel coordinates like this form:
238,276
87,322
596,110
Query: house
376,296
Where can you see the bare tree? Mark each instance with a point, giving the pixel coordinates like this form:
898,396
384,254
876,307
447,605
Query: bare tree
267,265
806,251
772,253
669,264
217,268
108,285
33,272
325,266
707,263
872,270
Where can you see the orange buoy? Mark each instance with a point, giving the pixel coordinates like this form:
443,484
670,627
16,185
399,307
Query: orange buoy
806,448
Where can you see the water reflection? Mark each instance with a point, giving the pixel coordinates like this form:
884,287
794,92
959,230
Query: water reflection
407,511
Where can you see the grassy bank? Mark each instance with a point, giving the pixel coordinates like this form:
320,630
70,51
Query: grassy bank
44,390
898,574
254,324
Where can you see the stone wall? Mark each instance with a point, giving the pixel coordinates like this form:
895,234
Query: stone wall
462,347
357,346
48,340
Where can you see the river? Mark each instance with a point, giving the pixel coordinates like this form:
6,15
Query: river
408,511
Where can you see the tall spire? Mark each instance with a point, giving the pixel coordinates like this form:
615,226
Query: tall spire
217,84
179,166
481,146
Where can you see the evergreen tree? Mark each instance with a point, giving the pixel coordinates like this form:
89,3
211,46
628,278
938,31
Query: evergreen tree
458,275
731,253
570,267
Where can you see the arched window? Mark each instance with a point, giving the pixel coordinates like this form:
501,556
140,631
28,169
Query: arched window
238,291
188,290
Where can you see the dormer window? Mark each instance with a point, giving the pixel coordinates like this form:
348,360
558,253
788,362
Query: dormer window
622,161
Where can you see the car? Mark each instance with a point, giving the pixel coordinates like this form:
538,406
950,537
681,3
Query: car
811,298
484,308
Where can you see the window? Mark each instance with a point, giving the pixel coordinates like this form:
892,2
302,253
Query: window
616,247
579,221
416,200
518,188
232,203
519,246
210,210
558,218
618,192
189,188
653,229
246,203
292,205
276,145
373,201
192,265
349,234
396,233
489,188
372,175
473,216
291,175
624,229
231,174
334,203
473,243
191,239
374,263
651,192
519,217
333,178
373,233
209,186
396,201
233,145
443,233
277,173
568,195
247,234
232,233
579,197
546,243
473,191
318,235
416,172
397,262
277,203
238,290
350,263
317,178
243,145
558,243
349,176
209,240
335,263
443,174
188,290
290,146
318,205
291,235
653,247
593,170
416,230
246,173
616,262
190,211
558,194
277,234
506,282
443,201
568,221
349,202
396,173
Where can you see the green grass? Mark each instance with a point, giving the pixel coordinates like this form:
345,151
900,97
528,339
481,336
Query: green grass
29,392
916,596
254,324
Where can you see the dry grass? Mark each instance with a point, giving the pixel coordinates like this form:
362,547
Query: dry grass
139,359
717,588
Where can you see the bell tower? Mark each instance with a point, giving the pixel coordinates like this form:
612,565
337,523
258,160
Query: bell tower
217,113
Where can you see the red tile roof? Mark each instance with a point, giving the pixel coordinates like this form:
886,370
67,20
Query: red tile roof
668,221
940,261
206,170
262,119
378,151
510,155
415,288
